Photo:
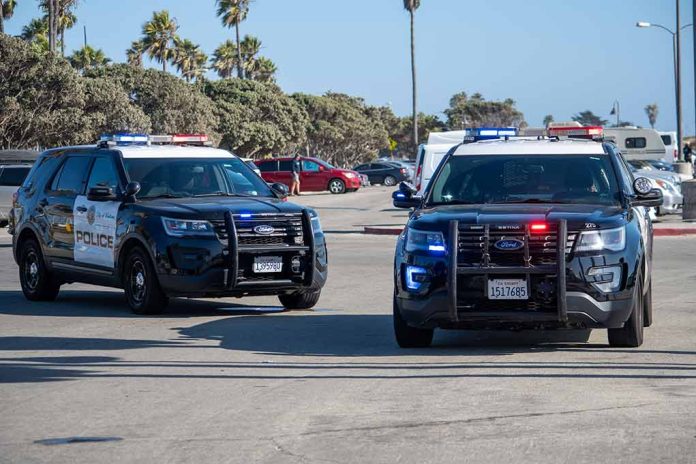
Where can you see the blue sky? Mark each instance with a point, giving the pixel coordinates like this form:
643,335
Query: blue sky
554,57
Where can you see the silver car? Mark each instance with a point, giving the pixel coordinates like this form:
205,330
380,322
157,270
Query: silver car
11,177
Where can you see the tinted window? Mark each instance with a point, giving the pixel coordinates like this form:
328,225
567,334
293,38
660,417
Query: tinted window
666,139
361,167
636,142
586,179
268,166
13,177
71,176
379,166
285,165
310,166
103,174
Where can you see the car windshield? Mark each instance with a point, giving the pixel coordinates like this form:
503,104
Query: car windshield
195,177
494,179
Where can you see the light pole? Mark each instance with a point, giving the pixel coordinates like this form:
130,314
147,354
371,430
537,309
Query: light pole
677,72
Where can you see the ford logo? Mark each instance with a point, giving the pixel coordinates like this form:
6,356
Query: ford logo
264,229
509,244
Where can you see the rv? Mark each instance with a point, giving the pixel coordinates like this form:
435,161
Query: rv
638,143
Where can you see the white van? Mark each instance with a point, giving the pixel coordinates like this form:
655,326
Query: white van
430,155
637,143
670,141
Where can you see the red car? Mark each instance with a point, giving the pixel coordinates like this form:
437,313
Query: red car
316,175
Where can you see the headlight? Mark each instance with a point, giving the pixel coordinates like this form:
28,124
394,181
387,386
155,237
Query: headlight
418,240
598,240
663,184
349,175
185,227
316,225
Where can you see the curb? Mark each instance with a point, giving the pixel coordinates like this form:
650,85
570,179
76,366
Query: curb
657,232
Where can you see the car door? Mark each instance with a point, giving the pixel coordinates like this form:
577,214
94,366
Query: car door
379,172
95,219
58,204
311,177
284,173
269,170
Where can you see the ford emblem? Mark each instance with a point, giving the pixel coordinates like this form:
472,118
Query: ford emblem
509,244
264,229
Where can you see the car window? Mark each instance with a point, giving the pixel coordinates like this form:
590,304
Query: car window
666,139
70,178
636,142
268,166
285,165
310,166
103,174
362,167
377,166
13,176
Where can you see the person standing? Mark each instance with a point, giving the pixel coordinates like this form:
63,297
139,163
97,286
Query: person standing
296,168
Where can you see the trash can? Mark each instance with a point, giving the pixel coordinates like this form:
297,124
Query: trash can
684,168
689,192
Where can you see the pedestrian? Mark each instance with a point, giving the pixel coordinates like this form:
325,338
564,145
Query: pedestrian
688,153
296,167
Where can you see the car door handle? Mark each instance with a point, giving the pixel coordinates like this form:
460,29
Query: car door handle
81,209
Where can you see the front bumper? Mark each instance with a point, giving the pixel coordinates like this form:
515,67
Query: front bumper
671,203
353,182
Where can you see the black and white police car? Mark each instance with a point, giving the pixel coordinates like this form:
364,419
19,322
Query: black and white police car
161,217
529,232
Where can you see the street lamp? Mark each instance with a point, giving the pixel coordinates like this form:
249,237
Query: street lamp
677,74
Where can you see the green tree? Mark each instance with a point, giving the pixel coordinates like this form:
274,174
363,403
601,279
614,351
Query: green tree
7,8
88,57
158,37
189,59
225,59
411,6
588,118
652,111
476,111
250,48
65,18
262,69
257,118
232,13
548,119
36,33
134,55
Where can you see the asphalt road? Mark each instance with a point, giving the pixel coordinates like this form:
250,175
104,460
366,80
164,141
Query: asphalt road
83,380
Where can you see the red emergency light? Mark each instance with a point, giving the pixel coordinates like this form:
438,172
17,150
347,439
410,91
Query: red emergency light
539,227
586,132
190,138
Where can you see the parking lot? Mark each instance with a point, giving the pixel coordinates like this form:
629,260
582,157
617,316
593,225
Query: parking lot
84,380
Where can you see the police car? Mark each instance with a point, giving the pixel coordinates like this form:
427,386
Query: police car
161,217
539,232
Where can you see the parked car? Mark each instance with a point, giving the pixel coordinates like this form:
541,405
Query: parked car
661,168
670,141
384,173
668,183
11,177
316,175
364,180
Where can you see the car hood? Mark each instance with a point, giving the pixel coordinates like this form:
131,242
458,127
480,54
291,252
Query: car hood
578,216
215,207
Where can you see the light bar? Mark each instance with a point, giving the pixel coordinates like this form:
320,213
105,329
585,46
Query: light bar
587,132
125,139
161,139
489,133
190,138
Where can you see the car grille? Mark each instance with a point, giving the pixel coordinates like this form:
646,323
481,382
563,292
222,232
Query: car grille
542,246
287,230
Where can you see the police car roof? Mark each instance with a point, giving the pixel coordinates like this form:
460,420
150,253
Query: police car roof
531,146
171,151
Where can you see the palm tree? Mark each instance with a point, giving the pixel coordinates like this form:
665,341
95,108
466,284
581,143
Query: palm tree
189,59
232,13
411,6
88,57
225,59
652,111
262,70
7,8
548,119
36,32
158,37
250,47
134,54
65,18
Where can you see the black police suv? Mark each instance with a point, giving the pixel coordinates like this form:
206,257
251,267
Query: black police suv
526,234
161,222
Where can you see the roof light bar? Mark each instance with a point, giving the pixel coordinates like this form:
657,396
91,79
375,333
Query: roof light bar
489,133
586,132
190,139
125,139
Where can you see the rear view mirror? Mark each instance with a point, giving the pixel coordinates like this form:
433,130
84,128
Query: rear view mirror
652,199
132,189
406,196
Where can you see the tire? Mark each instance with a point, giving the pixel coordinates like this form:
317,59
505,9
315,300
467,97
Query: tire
337,186
631,334
648,316
140,283
38,284
407,336
300,300
390,181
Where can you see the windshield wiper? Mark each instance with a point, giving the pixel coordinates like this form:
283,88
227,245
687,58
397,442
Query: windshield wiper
161,195
533,201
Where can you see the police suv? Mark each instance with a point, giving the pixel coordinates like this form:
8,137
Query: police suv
526,233
161,217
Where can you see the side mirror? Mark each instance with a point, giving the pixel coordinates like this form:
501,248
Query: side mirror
132,189
101,194
645,194
280,189
321,168
406,196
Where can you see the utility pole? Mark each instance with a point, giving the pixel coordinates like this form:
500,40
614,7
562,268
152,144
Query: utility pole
679,92
85,31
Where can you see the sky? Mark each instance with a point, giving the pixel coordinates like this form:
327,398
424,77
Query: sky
555,57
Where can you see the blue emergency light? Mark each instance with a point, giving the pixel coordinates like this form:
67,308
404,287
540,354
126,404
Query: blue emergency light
125,139
489,133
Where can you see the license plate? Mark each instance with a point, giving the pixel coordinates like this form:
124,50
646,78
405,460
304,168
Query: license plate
507,289
267,264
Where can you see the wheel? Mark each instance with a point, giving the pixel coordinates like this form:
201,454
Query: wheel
648,316
631,334
337,186
38,284
300,300
143,291
390,181
407,336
